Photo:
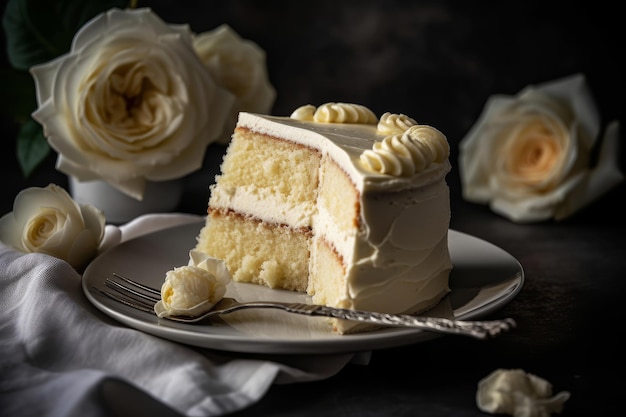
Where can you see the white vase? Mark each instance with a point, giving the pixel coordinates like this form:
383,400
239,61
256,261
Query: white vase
118,208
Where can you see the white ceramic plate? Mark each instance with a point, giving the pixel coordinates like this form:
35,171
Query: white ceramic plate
484,278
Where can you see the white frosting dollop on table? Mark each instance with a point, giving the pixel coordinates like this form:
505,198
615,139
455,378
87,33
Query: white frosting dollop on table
520,394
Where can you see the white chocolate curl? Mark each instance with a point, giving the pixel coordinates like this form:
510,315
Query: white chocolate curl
335,113
407,154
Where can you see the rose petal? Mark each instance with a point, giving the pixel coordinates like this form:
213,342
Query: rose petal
603,178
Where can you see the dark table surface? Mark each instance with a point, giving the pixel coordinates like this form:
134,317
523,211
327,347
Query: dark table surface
438,63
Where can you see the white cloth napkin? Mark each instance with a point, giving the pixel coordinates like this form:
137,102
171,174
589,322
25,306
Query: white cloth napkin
60,356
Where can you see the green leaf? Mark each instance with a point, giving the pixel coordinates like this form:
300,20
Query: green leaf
38,31
32,147
17,94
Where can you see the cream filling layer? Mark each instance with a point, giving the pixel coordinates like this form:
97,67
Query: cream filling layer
268,208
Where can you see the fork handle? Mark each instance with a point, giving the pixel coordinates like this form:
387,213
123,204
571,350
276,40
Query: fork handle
477,329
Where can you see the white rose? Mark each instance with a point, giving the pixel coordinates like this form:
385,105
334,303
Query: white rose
193,289
239,66
529,156
47,220
130,102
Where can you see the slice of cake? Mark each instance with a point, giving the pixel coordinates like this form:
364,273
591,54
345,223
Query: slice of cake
333,202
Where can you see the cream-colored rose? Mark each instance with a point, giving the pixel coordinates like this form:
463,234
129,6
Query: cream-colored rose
529,156
47,220
239,66
193,289
130,102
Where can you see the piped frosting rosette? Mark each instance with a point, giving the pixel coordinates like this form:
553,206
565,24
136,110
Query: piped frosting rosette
407,153
193,289
409,148
335,113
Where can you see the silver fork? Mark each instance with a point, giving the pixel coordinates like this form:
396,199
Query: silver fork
136,295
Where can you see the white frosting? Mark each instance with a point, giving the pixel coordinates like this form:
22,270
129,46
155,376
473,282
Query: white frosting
409,148
193,289
515,392
394,249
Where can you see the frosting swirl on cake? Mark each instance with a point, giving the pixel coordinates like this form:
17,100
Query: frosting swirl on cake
407,149
408,153
335,113
394,124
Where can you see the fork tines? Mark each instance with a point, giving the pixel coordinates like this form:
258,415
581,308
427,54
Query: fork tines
131,293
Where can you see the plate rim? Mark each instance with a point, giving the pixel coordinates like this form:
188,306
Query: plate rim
350,343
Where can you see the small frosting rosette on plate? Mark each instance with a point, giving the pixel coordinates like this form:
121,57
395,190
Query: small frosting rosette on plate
193,289
530,156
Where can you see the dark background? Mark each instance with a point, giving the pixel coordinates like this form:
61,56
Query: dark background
438,62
